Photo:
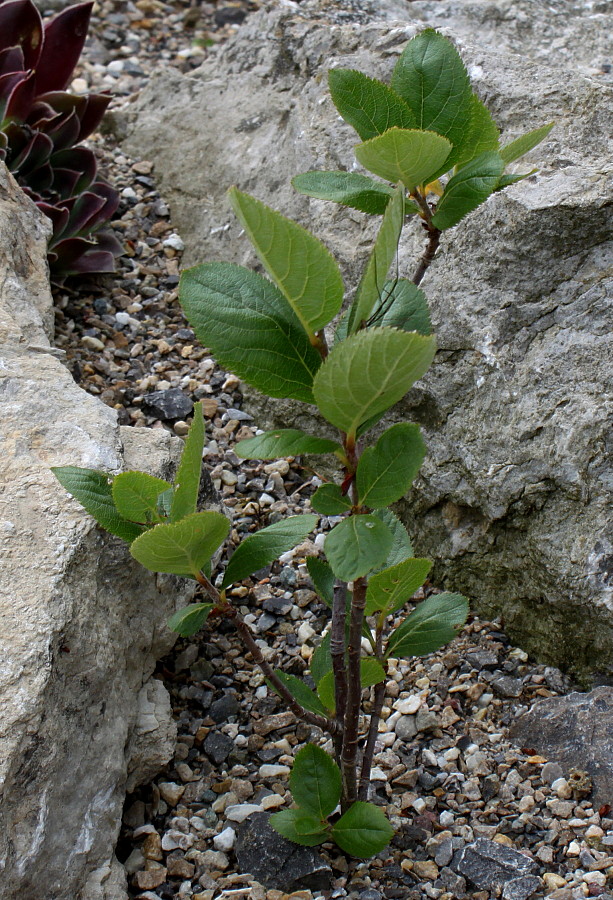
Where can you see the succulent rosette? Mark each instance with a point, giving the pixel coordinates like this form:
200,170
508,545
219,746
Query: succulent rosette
41,125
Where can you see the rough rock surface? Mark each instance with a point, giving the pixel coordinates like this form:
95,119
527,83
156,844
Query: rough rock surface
513,498
81,623
490,865
575,731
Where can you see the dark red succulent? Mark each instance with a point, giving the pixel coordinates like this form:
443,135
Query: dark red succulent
40,127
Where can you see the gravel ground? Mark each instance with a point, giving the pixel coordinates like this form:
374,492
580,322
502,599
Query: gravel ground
475,816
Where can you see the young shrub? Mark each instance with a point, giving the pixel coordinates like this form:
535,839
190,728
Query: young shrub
271,332
40,127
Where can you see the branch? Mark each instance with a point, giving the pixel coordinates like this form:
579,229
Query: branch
354,694
337,652
373,725
434,237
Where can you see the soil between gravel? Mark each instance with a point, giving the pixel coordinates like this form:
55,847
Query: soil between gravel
444,768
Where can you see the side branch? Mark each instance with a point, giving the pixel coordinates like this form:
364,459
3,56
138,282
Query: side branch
434,238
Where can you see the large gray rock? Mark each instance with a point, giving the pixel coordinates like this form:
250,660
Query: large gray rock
81,624
575,731
514,499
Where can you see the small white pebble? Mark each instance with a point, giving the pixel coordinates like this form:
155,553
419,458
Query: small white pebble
225,839
175,242
270,770
573,849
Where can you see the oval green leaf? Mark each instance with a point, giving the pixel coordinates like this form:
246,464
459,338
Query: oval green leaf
303,269
430,626
408,156
468,188
321,660
347,188
322,577
357,545
136,495
391,588
403,305
401,542
190,619
386,471
283,442
250,328
181,548
371,672
94,492
299,826
521,145
330,501
187,481
260,549
363,830
368,373
315,781
300,692
368,105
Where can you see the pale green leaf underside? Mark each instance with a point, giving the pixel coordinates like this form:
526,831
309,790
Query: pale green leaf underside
181,548
135,495
260,549
404,306
401,542
330,501
386,245
283,442
432,79
187,481
94,493
303,269
524,144
407,156
368,373
392,588
299,826
356,545
368,105
386,471
348,188
363,830
468,188
315,781
190,619
248,325
301,692
430,626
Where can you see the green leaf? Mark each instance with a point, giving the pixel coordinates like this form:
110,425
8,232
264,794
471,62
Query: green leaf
371,672
164,502
321,660
368,105
136,494
322,577
505,180
299,826
283,442
430,626
347,188
94,493
181,548
482,134
190,619
356,545
363,830
404,306
368,373
330,501
407,156
326,691
250,328
315,781
525,143
391,588
303,269
432,79
386,471
260,549
401,542
300,692
375,274
468,188
187,481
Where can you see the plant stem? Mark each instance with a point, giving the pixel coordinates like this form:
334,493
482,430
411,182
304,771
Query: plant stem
373,725
246,636
434,237
354,695
337,652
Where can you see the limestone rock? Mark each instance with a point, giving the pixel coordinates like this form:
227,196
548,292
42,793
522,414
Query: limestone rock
81,624
490,866
513,500
575,731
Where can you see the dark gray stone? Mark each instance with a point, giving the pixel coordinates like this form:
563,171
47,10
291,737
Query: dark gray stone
167,405
489,865
521,888
276,862
505,686
222,709
218,746
575,731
